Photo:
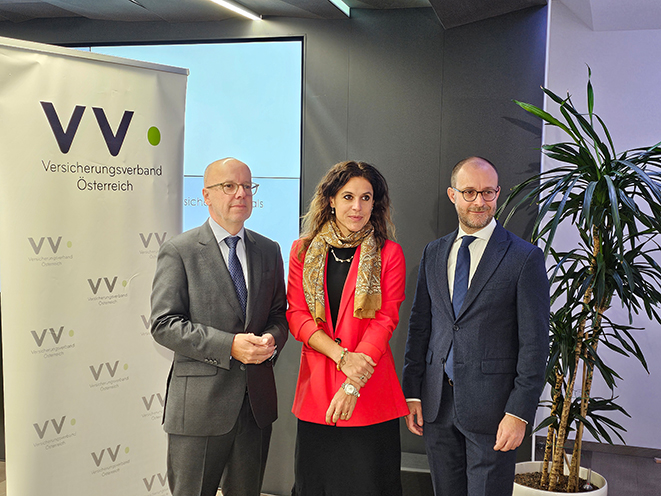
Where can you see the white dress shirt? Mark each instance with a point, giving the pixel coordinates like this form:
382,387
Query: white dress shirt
221,233
476,249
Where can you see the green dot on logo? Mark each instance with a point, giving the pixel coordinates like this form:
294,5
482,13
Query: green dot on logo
124,283
73,421
126,450
69,244
71,333
154,136
126,366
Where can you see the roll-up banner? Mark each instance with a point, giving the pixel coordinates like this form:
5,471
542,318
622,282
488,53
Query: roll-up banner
91,166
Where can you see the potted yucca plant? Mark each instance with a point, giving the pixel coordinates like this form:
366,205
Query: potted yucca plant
611,201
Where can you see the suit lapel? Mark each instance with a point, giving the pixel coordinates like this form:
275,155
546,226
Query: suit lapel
254,260
210,252
493,254
445,245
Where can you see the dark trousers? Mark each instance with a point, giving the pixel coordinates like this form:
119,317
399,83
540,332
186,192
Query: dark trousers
196,464
464,463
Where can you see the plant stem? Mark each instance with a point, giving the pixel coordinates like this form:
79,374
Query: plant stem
558,463
559,450
588,368
548,448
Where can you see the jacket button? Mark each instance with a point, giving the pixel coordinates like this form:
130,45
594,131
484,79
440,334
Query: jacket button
455,328
243,366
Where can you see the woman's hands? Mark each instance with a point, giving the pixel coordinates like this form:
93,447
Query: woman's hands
342,405
358,367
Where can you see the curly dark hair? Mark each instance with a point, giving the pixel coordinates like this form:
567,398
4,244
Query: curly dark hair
320,210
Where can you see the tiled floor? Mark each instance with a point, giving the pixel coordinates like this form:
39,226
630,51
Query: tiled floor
630,471
627,475
3,484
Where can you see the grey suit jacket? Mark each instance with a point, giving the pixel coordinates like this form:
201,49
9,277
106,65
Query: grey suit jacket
196,313
500,335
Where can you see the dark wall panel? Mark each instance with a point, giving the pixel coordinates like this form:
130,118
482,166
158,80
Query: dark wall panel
487,65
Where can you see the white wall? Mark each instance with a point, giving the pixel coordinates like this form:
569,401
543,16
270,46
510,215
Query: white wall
626,80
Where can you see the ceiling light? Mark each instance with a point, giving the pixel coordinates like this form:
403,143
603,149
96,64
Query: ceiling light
239,9
342,6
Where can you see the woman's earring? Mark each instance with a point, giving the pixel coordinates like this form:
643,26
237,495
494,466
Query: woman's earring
332,211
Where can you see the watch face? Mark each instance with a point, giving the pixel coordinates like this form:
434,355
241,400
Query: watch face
350,389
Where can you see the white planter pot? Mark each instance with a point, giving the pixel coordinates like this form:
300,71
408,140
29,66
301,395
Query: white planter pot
525,467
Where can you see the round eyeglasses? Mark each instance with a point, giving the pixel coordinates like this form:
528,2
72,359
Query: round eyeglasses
230,188
470,195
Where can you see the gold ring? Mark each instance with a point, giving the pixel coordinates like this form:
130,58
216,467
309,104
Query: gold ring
362,377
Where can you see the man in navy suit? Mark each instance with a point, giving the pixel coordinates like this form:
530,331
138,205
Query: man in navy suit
477,343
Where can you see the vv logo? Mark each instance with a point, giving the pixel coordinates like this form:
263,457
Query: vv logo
38,245
109,284
56,335
148,402
112,369
150,483
114,140
57,426
98,457
146,241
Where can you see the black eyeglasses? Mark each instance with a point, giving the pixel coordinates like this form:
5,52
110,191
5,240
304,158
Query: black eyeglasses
230,188
470,195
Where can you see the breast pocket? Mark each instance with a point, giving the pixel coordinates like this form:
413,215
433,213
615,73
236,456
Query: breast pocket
502,285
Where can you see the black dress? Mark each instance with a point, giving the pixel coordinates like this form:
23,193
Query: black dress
346,461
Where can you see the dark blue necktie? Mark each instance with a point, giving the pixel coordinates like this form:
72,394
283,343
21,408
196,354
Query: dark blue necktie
234,266
461,273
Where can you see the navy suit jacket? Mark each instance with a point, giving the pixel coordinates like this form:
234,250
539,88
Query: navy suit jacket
500,334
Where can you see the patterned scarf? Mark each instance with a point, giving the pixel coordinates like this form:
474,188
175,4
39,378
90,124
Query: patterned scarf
367,298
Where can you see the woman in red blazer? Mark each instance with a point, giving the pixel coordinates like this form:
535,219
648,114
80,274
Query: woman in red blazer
346,283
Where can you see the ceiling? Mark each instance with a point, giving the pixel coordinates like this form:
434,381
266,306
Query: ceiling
617,15
451,13
599,15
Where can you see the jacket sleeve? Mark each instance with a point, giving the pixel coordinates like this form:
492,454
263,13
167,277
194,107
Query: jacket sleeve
276,324
417,341
171,324
533,332
379,330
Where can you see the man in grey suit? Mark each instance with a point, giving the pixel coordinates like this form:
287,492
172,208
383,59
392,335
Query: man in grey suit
477,343
218,301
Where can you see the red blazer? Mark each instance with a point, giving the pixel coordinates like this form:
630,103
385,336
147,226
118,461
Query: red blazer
318,378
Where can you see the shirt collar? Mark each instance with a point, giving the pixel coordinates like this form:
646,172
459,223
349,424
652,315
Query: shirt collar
484,233
221,233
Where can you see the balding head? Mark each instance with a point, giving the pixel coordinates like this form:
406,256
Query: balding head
220,166
473,162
